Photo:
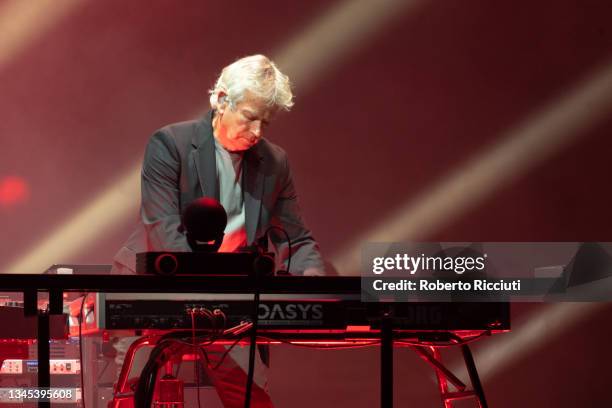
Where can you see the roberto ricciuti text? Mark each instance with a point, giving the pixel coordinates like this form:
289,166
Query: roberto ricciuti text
438,285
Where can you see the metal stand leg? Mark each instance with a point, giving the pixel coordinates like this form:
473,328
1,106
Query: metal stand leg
444,376
442,383
473,373
443,373
386,363
44,376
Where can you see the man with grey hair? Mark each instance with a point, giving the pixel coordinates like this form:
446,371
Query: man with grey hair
225,156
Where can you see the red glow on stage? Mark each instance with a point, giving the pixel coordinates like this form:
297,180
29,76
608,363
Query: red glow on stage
13,190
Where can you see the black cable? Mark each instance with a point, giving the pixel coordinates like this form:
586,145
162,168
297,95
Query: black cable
80,319
103,370
208,342
216,366
190,344
288,244
146,384
205,354
144,391
461,342
178,368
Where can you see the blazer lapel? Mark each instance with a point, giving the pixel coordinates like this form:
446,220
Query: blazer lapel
253,192
204,157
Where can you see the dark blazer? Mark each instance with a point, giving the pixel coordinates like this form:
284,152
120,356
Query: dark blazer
179,166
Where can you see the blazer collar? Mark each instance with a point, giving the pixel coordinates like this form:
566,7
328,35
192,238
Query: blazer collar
204,157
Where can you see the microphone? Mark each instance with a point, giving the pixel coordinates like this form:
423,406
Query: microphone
204,221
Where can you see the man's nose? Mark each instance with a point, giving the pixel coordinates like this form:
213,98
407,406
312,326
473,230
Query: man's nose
257,128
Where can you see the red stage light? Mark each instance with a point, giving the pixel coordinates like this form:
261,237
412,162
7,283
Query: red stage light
13,190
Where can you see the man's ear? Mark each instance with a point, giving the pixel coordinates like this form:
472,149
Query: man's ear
221,101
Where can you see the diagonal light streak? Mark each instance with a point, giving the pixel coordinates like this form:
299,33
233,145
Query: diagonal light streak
528,334
341,30
346,27
537,138
532,332
90,223
322,44
23,22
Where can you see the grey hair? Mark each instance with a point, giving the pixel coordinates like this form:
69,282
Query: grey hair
256,74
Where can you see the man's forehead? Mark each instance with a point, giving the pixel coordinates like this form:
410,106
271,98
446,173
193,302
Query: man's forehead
256,106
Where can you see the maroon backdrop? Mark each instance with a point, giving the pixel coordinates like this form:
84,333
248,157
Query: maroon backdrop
376,130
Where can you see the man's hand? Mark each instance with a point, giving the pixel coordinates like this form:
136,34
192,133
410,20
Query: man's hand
313,271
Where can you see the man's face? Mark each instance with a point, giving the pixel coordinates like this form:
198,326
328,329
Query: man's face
241,128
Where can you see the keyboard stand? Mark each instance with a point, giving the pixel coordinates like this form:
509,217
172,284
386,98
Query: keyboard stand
386,360
432,355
